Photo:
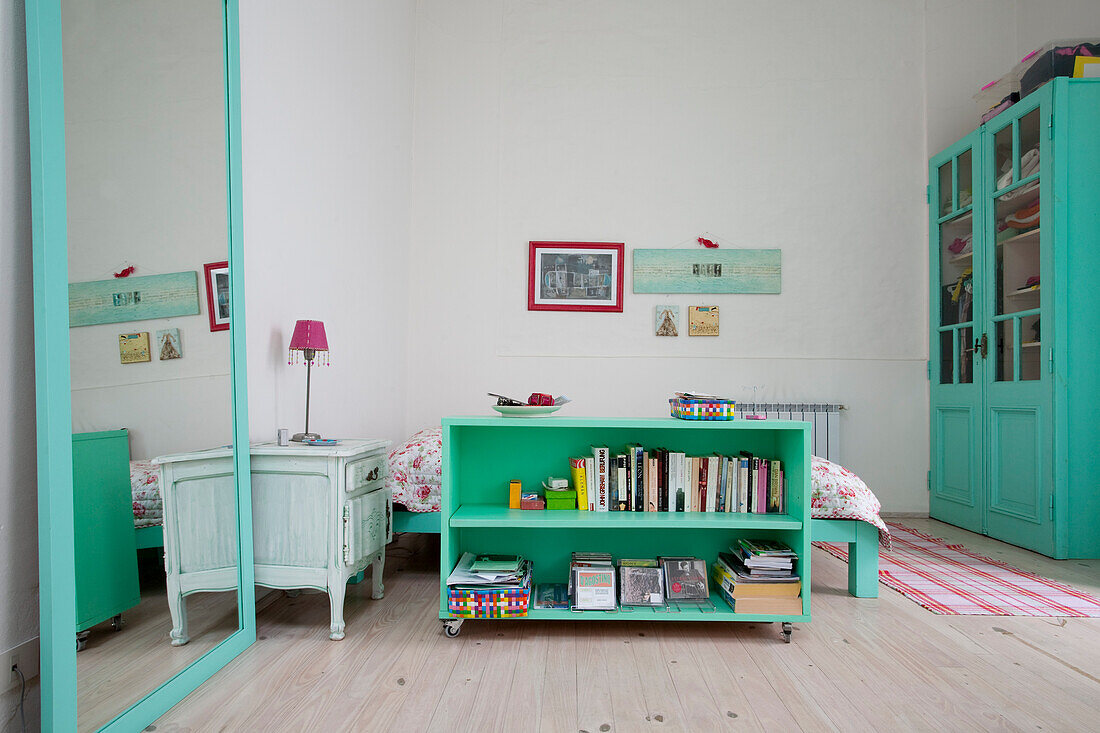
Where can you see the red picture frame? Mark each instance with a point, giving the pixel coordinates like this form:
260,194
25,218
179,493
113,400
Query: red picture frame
216,276
575,276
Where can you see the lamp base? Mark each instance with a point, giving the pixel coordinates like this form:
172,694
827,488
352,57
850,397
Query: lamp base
303,437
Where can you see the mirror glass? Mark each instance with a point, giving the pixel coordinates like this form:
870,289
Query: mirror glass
155,508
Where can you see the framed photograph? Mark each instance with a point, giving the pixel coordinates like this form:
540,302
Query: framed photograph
217,295
575,276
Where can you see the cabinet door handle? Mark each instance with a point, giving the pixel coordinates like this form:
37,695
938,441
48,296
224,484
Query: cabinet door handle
373,474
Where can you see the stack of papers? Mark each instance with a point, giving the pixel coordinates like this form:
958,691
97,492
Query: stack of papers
490,571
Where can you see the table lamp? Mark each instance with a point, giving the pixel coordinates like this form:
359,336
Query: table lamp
308,339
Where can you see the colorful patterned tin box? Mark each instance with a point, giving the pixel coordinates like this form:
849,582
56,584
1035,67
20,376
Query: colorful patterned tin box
711,409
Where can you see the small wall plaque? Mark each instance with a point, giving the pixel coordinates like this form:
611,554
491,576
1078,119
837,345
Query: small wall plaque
703,320
168,344
133,347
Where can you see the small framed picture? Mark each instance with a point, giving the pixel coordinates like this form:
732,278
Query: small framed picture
217,295
133,347
666,320
703,320
575,276
168,344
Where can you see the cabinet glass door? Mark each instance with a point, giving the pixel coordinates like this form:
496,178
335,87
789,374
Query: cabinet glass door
956,280
1018,389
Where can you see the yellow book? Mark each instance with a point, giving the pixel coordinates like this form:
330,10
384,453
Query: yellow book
576,470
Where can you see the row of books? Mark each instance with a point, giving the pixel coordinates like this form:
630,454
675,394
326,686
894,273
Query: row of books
659,480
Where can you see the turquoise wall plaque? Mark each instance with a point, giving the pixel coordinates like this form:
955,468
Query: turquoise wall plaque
133,298
707,271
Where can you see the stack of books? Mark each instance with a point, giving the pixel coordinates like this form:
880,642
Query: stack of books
660,480
758,576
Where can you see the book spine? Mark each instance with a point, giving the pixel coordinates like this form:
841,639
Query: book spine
639,480
782,492
590,481
629,478
760,500
576,469
620,475
692,487
712,483
599,456
704,466
743,484
651,495
675,494
662,480
721,504
612,485
774,487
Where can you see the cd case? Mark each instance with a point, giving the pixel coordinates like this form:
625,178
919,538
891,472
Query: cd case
641,586
685,579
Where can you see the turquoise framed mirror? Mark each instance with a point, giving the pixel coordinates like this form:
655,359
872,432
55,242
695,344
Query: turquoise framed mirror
145,533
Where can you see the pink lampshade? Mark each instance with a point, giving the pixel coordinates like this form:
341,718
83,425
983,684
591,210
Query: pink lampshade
309,335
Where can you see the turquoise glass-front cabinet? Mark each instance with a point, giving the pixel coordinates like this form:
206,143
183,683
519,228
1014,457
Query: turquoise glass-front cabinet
1015,307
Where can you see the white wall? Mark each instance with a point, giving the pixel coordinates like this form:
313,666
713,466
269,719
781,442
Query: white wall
326,100
974,42
797,126
18,505
145,164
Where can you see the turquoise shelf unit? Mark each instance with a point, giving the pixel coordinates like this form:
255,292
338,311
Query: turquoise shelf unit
106,551
481,455
1013,364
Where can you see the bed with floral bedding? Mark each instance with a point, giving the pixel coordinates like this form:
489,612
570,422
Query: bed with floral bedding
842,507
148,508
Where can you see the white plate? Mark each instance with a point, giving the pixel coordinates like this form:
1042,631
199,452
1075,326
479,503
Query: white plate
526,410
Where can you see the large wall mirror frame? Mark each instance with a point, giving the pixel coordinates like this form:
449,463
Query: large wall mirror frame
135,162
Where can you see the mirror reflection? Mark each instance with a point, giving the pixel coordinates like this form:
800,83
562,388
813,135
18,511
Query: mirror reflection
155,521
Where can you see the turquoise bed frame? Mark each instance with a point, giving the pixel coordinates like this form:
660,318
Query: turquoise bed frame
862,539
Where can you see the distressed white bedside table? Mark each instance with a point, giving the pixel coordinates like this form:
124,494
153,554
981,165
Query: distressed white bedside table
319,517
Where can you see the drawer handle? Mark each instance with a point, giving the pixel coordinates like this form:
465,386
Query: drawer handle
373,474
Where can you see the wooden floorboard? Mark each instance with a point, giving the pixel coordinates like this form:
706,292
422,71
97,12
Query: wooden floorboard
861,664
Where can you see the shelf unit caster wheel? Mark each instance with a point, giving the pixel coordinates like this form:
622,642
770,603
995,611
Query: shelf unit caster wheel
787,631
82,640
116,622
451,628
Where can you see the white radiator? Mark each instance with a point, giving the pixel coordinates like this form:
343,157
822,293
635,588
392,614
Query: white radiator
823,418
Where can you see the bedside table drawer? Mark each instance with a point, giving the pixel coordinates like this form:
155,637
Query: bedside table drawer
367,474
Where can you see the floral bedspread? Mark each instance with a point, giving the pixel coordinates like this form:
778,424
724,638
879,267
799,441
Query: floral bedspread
145,486
416,471
837,493
416,475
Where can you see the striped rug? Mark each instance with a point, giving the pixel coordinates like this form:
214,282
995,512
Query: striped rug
952,580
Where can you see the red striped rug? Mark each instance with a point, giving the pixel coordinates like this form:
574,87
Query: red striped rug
952,580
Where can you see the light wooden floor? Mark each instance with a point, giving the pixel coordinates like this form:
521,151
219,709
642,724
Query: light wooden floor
119,668
862,664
